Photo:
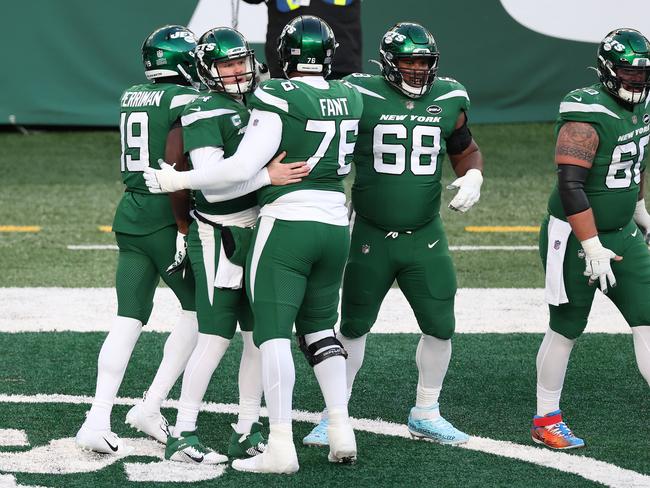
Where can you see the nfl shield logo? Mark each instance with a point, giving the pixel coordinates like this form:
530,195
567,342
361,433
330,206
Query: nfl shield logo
365,249
556,245
634,119
410,105
159,53
581,254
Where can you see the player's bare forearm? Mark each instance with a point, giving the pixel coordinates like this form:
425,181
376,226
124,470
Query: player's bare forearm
180,200
470,158
583,224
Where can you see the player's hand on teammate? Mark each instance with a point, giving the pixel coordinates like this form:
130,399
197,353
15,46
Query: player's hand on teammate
286,173
598,266
163,180
469,190
180,257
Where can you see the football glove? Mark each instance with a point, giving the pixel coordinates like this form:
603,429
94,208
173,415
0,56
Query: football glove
180,258
469,190
642,219
261,71
598,265
166,179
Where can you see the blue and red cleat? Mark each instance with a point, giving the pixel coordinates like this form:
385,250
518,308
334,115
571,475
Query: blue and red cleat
551,431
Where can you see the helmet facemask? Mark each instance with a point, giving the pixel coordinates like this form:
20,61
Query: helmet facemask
412,81
223,74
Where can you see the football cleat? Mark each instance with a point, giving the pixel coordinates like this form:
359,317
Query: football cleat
343,445
188,449
318,435
435,430
101,441
247,445
279,457
154,425
551,431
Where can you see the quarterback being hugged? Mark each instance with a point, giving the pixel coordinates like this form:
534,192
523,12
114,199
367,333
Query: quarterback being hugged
301,242
590,235
411,119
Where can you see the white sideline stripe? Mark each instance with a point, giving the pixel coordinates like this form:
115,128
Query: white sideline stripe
588,468
478,311
13,437
493,248
93,247
113,247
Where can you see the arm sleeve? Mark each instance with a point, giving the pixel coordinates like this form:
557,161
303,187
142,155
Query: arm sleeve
258,146
204,156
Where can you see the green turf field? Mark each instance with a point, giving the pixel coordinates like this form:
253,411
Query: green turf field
68,183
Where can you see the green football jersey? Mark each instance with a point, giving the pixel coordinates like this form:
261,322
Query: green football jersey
216,120
612,186
318,126
147,113
399,154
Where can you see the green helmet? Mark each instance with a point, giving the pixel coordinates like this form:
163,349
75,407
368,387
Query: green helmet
220,45
169,52
307,45
411,41
624,65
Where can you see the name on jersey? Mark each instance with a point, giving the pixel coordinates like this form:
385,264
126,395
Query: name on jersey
142,99
412,118
331,107
636,132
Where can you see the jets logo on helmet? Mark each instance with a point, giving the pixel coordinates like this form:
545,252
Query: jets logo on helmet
225,62
307,45
409,58
623,65
168,52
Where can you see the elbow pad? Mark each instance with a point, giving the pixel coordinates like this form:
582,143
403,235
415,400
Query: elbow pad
571,185
460,139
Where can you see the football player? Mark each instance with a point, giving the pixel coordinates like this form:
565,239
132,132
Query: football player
411,119
295,267
149,237
590,236
214,124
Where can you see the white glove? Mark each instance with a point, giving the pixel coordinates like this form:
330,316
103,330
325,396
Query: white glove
469,190
166,179
642,219
598,265
261,72
180,258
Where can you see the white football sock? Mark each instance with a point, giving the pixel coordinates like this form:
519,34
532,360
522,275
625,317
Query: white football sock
278,378
641,335
432,357
177,351
111,365
356,349
250,384
330,374
204,360
552,361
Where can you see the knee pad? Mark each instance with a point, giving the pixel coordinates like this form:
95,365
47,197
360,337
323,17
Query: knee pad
335,348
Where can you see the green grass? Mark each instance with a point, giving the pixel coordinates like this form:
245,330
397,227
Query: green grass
605,398
69,183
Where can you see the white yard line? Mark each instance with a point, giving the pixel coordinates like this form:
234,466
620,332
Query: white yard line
13,437
113,247
478,310
588,468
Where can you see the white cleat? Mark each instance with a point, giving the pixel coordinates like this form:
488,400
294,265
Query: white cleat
101,441
280,457
343,445
154,425
188,449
